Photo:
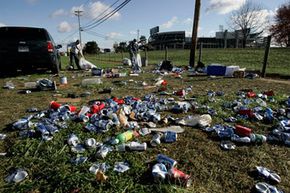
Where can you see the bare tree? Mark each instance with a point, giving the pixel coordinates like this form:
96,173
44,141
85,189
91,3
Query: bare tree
281,29
247,20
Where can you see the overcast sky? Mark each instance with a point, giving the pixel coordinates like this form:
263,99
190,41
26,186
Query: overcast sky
57,16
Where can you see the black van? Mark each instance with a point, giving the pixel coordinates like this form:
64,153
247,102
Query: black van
27,48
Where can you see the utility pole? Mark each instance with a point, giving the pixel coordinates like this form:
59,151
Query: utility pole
194,32
138,31
79,13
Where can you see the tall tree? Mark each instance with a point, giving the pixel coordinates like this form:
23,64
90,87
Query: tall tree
281,29
247,20
91,47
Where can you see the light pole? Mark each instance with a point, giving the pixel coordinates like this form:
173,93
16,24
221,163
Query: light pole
79,13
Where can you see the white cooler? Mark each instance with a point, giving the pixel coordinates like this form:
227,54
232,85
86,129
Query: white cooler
230,70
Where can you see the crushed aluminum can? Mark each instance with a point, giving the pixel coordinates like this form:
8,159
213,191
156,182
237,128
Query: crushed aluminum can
105,125
169,137
103,167
21,124
78,148
73,140
169,162
17,176
180,177
159,172
103,151
91,143
42,129
258,138
52,129
269,174
121,167
27,133
83,118
91,127
156,140
144,131
227,145
135,146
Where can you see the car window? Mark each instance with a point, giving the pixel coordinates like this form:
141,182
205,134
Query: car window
25,34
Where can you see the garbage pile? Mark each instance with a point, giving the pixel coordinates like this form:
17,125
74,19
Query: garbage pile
140,117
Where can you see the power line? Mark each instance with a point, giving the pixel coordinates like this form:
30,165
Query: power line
107,16
96,18
70,35
103,36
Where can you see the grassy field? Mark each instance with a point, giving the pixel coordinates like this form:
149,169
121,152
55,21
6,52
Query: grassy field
197,153
251,59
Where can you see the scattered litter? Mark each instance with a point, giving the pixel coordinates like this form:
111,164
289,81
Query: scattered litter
197,120
227,145
263,187
9,85
103,167
79,160
46,84
121,167
175,129
159,172
2,136
100,176
17,176
268,174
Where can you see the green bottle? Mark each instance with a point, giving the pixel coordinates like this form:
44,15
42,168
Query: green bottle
124,137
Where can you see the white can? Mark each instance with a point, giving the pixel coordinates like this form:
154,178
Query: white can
63,80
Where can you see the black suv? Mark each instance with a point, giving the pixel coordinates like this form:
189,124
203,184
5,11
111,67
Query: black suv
27,48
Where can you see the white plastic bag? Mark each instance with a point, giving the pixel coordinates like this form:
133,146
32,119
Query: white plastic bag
127,62
86,65
139,62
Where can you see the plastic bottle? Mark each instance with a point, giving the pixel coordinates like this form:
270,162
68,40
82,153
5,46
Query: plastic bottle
124,137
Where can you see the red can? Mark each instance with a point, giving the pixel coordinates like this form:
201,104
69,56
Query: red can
180,93
243,131
180,177
54,105
247,112
97,107
251,94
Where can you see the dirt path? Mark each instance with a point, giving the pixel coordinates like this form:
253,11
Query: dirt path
276,81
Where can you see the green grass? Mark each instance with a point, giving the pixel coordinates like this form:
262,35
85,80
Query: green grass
197,153
251,59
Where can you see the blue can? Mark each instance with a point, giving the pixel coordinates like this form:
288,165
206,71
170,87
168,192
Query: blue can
170,137
169,162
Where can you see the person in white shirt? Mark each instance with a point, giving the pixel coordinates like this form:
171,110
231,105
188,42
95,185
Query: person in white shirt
74,54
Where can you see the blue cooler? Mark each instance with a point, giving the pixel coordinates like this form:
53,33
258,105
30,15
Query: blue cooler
216,70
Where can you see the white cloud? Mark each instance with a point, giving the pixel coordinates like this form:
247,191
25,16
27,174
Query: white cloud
64,27
169,23
2,24
224,6
113,35
75,8
188,21
58,13
93,10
